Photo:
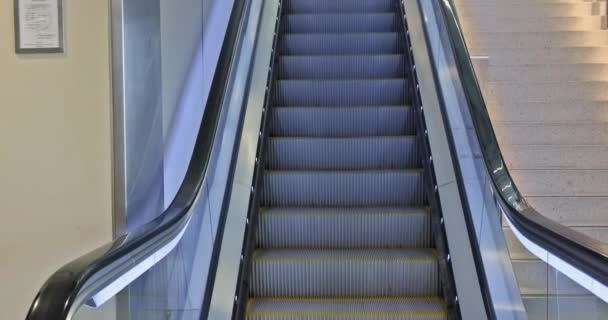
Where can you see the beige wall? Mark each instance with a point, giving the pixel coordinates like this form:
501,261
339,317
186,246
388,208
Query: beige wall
55,152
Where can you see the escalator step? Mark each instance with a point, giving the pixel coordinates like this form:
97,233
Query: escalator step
338,22
303,153
343,188
342,92
343,121
325,6
398,308
341,44
342,67
333,228
344,273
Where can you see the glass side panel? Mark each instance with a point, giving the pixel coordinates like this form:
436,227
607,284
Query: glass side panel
174,288
105,312
158,85
568,300
546,292
549,294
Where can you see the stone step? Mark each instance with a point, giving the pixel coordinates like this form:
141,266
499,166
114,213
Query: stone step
550,112
504,92
591,134
552,183
574,211
543,73
531,57
595,231
538,24
480,41
535,10
552,157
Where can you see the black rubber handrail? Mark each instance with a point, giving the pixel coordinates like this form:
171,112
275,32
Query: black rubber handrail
57,298
583,252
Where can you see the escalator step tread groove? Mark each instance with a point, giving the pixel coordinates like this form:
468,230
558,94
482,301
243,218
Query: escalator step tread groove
340,92
359,308
342,121
340,22
341,188
341,67
344,230
341,43
345,273
343,255
375,152
332,6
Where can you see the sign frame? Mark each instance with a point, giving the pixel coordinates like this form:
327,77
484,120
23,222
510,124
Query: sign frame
20,27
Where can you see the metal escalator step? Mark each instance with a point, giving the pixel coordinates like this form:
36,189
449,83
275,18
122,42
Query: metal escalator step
305,153
333,228
344,273
323,6
343,188
367,92
341,67
343,121
341,43
398,308
332,22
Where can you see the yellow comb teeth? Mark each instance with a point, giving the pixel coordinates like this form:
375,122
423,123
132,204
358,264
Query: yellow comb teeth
349,315
348,303
352,299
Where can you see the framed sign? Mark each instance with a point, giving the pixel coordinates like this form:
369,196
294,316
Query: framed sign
38,26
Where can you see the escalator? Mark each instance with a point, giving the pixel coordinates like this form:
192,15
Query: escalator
348,162
344,227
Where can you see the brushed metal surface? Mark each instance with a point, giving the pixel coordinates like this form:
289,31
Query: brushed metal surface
257,46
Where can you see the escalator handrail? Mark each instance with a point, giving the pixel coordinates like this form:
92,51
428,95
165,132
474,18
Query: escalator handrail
586,254
69,287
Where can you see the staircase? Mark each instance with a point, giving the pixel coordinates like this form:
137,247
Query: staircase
343,230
